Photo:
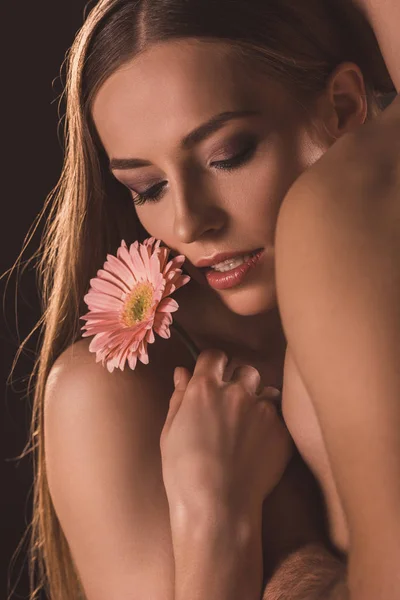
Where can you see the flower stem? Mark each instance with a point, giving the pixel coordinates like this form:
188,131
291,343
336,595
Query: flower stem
187,340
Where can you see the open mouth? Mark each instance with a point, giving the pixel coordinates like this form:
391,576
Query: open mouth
232,263
232,271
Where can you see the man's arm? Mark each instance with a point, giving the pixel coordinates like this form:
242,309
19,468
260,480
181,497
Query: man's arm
310,573
384,17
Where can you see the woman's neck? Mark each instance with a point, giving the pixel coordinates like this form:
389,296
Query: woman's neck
258,340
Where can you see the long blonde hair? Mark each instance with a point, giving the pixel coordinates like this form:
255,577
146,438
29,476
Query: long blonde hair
88,212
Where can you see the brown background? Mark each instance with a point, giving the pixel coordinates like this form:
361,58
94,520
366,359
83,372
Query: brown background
35,38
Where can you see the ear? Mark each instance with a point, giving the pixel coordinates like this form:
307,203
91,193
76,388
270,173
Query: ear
344,101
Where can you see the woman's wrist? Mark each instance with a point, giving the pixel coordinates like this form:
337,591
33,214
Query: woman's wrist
214,517
209,511
217,554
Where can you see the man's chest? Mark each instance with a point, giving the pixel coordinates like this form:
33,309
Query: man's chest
303,425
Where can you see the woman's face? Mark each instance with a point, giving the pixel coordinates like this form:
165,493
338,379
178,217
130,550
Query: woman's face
206,189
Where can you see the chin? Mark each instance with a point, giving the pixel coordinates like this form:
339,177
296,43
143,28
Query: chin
250,301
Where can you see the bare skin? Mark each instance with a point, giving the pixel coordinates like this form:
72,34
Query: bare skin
384,16
348,202
351,271
201,213
204,210
126,536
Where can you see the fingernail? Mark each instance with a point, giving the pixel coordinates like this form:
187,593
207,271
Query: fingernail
177,375
274,392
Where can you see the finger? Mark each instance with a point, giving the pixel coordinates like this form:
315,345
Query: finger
273,395
211,362
249,377
182,376
181,379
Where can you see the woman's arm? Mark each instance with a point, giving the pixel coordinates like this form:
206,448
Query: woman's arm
384,17
104,469
338,282
218,555
221,559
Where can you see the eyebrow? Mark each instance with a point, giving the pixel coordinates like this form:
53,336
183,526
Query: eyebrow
191,139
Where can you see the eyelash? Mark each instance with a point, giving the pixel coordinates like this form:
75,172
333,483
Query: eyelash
224,165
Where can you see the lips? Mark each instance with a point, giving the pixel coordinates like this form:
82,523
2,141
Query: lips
206,263
222,280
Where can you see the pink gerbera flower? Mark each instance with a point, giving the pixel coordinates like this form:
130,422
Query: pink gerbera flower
129,299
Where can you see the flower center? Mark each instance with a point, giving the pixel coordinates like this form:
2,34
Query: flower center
138,304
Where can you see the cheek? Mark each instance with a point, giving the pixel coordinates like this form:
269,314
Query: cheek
302,149
292,153
153,220
264,187
253,195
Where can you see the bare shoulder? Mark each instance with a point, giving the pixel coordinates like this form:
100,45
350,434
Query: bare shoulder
89,386
357,177
103,466
83,399
337,247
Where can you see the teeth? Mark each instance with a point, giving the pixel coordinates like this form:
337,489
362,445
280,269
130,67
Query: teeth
231,263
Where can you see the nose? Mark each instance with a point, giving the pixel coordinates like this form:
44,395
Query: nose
196,213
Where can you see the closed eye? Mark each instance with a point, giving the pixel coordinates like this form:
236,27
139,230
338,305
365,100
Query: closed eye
154,193
151,195
235,161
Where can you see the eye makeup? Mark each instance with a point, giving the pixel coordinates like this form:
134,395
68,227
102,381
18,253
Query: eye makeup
239,151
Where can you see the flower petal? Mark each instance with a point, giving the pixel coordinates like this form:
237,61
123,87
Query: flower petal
150,337
115,343
181,281
168,305
144,253
106,287
119,268
139,268
163,254
154,269
132,360
108,276
98,300
169,289
124,255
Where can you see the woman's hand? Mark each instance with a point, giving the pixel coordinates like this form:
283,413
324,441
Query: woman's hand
223,443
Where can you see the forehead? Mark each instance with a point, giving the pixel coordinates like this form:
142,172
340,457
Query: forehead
167,91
